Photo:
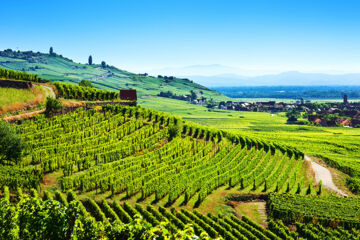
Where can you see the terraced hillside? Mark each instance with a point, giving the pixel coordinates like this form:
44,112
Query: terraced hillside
57,68
139,152
114,220
108,168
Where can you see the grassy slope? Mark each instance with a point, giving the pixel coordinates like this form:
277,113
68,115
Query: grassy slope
339,144
12,99
110,78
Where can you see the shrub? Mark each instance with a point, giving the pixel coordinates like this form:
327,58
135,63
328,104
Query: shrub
52,106
11,144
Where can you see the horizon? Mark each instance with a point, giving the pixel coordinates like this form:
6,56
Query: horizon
252,38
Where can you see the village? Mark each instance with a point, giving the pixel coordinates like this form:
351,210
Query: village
330,114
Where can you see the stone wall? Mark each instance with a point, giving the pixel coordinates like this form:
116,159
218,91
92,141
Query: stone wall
15,84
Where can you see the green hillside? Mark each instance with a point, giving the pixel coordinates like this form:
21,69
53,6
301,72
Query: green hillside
105,169
58,68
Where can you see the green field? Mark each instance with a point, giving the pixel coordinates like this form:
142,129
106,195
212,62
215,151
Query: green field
56,68
338,146
15,99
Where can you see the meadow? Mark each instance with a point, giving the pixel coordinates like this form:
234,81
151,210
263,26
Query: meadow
12,99
338,146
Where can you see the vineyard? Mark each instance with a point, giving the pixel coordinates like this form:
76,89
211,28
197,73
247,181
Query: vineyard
135,171
23,76
148,154
71,91
329,211
87,219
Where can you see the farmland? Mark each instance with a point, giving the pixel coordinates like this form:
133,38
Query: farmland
108,166
112,166
194,172
59,68
338,147
122,220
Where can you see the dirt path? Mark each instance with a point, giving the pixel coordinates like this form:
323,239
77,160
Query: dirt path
255,210
323,174
49,92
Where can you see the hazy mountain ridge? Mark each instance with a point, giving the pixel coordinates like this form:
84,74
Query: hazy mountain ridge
292,78
216,75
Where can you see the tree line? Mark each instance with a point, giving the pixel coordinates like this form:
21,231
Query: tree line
17,75
70,91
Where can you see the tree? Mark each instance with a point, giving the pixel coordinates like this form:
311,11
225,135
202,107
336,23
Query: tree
11,144
90,60
52,106
293,115
319,192
193,95
85,83
51,51
103,64
175,130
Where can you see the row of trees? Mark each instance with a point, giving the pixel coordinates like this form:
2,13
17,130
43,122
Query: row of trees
17,75
34,218
70,91
122,132
329,211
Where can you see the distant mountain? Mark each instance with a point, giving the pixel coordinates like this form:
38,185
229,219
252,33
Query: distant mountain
58,68
292,78
203,70
206,70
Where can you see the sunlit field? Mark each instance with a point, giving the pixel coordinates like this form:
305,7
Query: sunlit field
12,99
338,146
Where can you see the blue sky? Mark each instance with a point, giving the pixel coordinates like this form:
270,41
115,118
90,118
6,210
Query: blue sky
267,36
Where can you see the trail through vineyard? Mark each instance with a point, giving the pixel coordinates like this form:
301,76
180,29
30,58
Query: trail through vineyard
323,174
49,92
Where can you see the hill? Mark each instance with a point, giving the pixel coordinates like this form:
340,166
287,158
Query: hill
58,68
124,162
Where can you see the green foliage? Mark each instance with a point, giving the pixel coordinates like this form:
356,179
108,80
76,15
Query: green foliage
58,68
23,177
52,106
193,95
51,51
90,61
329,211
34,218
17,75
11,144
319,192
70,91
175,131
103,150
85,83
338,147
353,184
294,113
